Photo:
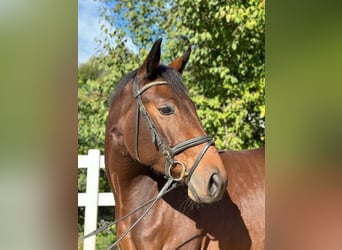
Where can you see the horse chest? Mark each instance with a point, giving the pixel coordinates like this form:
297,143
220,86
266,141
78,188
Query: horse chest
165,228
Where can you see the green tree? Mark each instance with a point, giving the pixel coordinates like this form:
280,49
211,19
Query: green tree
226,74
92,106
92,110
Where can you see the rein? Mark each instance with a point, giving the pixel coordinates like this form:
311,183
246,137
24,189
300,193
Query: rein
162,192
168,186
168,152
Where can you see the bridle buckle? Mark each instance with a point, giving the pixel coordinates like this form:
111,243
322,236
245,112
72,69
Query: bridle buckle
183,173
166,154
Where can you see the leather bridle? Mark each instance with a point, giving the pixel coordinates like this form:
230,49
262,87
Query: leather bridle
168,152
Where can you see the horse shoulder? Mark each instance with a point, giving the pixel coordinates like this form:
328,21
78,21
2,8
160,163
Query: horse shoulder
246,187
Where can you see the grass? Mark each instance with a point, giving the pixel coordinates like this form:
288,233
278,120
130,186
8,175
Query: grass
103,239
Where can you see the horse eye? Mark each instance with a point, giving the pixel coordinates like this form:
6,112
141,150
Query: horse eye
166,110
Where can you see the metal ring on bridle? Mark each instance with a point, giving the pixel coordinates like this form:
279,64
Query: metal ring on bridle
183,172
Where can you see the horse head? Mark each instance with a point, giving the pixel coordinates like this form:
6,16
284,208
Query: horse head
159,128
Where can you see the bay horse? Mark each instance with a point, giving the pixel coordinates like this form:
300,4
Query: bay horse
153,134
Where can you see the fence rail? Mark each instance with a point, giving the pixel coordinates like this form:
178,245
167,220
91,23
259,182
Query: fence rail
92,199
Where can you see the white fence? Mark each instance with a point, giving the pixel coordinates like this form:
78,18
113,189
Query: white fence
91,199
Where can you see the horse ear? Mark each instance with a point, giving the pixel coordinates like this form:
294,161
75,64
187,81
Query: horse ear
179,63
149,67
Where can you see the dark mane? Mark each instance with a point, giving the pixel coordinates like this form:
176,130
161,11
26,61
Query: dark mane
174,79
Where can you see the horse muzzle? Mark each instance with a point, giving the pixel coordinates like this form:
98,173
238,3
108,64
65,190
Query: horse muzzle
210,191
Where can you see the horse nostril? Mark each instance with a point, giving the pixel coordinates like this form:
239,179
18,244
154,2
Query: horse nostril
215,185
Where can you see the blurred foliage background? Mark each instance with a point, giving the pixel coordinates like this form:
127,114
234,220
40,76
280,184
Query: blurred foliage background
225,74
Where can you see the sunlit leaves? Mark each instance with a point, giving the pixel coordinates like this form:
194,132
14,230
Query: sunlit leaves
225,74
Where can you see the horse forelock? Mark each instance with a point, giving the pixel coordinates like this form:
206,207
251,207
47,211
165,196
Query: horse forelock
170,75
174,79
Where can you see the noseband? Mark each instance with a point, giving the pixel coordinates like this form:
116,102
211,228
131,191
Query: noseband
168,152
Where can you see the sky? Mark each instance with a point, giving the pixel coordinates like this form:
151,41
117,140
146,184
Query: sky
88,29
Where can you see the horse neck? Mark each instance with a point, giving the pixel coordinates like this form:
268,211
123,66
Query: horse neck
130,180
124,173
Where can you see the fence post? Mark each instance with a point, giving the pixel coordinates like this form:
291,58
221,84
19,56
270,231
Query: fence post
92,188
